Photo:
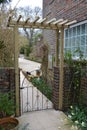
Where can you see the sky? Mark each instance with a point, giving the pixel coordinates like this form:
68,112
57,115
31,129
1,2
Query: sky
23,3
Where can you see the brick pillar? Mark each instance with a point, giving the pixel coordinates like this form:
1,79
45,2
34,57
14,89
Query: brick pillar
56,88
67,89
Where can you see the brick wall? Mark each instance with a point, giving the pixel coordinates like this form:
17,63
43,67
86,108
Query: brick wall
7,80
84,90
68,91
71,9
66,9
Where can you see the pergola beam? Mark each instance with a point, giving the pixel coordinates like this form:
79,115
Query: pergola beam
63,22
36,25
26,21
36,19
72,22
58,21
51,21
43,23
43,20
29,25
19,18
9,19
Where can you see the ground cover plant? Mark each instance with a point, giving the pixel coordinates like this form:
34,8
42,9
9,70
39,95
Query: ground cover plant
78,114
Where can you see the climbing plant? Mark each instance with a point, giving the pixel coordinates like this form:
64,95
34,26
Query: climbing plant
78,111
77,71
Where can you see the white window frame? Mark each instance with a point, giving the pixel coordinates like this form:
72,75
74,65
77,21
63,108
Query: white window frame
72,46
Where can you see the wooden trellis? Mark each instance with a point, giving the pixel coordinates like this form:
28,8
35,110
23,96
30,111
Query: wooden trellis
38,23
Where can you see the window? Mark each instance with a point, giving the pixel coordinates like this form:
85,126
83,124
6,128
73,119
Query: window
76,37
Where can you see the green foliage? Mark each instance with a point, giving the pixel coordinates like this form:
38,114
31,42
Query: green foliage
6,104
1,128
79,52
68,58
43,87
77,71
78,114
22,50
25,50
28,50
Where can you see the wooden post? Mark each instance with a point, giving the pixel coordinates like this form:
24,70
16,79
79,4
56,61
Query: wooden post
57,46
61,68
16,68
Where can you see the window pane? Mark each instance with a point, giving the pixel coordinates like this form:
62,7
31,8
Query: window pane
74,31
73,40
83,40
82,49
86,28
69,42
66,43
83,29
70,32
86,39
65,50
86,50
66,33
78,30
78,41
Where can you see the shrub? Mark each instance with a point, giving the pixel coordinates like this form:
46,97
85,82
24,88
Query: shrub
6,104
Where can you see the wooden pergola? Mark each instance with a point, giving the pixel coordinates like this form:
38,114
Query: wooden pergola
38,23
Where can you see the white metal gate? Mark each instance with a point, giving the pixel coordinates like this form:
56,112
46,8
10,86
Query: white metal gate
31,98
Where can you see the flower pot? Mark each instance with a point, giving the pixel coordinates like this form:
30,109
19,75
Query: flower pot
8,123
